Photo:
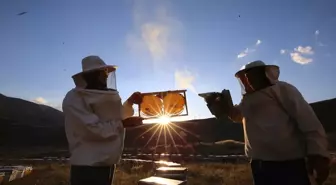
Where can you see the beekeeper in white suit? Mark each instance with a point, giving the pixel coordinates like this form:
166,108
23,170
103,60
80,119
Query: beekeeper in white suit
281,129
94,123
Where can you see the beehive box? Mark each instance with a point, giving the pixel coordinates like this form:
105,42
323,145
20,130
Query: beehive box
160,181
10,173
177,173
28,170
14,175
19,173
15,172
167,164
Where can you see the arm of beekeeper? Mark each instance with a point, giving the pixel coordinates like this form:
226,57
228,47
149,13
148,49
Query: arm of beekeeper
308,123
88,125
235,114
128,110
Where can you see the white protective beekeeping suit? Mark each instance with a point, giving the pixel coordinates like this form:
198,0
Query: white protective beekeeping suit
278,123
93,120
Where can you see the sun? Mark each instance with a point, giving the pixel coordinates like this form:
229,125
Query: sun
164,120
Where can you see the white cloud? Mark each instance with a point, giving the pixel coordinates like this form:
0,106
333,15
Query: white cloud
43,101
304,50
184,79
243,53
249,50
317,32
40,100
300,54
298,58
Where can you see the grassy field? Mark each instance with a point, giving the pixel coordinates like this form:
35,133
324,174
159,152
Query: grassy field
199,174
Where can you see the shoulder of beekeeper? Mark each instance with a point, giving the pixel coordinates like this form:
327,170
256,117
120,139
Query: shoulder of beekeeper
94,107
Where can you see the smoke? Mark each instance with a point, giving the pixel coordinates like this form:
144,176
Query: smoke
184,79
158,33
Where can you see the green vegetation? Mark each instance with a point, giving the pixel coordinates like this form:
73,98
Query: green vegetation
199,174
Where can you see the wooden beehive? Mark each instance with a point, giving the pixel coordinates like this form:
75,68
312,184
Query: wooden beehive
160,181
177,173
167,164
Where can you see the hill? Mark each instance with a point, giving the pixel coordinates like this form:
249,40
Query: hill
23,123
325,111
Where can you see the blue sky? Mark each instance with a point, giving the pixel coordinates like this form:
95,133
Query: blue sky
166,45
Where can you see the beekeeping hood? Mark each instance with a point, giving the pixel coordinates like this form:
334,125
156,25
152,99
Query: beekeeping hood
92,63
272,73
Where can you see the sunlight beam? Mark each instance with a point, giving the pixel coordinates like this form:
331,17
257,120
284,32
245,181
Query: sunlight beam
152,136
158,139
172,138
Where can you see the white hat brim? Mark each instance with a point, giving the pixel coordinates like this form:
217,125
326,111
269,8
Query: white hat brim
266,66
110,68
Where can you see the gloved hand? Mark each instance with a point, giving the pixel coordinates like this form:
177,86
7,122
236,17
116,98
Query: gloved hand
320,166
219,104
216,106
135,98
132,122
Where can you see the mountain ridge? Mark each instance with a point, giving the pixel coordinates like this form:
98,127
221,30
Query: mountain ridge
42,125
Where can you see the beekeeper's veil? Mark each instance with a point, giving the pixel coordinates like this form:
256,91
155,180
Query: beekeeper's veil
257,75
92,63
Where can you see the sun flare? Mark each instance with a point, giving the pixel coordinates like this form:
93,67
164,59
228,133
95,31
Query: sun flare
164,120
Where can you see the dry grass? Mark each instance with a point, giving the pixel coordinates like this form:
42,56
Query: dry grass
199,174
219,174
